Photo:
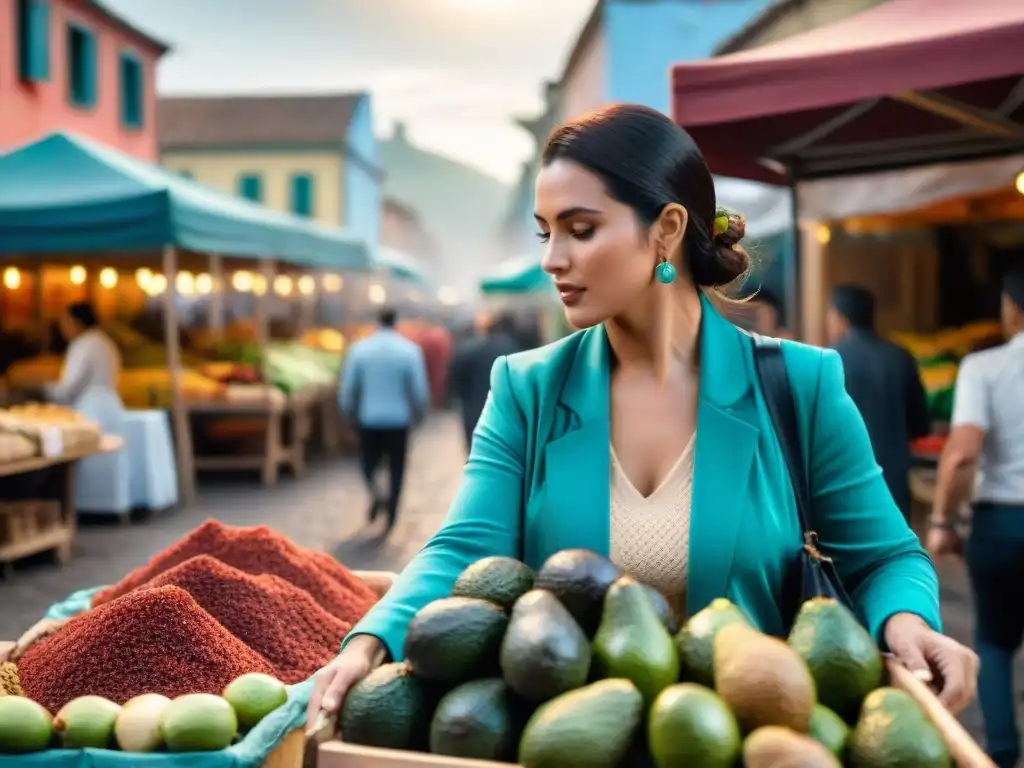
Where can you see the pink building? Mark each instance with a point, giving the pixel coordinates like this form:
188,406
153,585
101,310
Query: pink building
73,65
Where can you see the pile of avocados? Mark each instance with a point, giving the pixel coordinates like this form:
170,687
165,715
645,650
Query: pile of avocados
581,665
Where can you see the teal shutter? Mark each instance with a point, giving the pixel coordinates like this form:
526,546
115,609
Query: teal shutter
250,186
34,40
132,88
82,85
302,195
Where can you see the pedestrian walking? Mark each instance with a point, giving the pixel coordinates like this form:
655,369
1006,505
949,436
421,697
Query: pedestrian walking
986,444
384,393
884,383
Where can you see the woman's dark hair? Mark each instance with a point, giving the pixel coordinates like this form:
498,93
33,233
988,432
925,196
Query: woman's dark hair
84,314
647,162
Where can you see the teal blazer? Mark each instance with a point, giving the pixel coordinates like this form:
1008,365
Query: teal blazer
537,481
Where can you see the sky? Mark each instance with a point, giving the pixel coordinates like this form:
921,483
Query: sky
455,71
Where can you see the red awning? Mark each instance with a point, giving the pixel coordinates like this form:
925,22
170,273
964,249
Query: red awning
905,83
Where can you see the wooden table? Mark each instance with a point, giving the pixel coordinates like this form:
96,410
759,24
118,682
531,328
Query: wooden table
60,535
287,432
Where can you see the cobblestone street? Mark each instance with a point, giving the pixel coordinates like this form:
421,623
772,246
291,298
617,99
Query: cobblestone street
326,510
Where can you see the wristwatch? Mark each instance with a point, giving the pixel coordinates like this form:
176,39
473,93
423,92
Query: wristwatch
942,525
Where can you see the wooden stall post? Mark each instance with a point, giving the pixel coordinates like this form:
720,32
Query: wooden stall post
215,320
179,412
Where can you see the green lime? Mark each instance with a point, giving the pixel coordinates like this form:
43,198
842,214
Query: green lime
254,696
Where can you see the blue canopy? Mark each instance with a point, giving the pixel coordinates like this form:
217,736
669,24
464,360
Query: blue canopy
522,274
66,193
402,265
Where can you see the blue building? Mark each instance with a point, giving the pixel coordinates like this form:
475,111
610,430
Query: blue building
624,53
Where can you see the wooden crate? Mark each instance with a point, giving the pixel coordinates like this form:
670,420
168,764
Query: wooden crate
965,752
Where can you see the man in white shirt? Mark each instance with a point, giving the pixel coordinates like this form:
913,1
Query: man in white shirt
91,360
987,441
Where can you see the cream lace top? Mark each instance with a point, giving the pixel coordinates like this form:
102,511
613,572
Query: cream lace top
650,536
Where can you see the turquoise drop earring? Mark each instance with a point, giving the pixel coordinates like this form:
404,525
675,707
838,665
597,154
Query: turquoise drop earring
665,273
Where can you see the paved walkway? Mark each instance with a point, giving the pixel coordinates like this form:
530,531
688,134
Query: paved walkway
326,510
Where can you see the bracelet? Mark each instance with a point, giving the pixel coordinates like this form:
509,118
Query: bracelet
942,525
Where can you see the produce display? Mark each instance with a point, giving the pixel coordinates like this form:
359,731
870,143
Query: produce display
938,358
25,428
186,650
196,722
581,665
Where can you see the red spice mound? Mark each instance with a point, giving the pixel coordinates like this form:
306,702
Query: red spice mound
151,641
271,616
257,551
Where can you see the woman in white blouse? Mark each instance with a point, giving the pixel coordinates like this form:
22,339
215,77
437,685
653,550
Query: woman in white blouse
91,360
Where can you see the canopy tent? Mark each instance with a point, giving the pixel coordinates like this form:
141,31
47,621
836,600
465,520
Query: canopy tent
402,266
908,82
519,275
66,193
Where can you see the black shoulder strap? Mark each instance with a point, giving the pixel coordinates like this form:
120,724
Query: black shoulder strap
778,396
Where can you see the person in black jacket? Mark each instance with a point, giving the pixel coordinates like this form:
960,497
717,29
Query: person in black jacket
470,376
883,380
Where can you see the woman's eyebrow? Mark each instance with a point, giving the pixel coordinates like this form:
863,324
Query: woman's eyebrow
568,213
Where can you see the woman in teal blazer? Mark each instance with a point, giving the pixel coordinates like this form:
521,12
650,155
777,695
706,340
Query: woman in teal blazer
626,204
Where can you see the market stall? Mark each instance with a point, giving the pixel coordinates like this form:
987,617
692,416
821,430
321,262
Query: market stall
65,200
242,618
898,86
40,447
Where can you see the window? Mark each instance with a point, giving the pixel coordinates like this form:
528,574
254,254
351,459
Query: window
81,66
33,40
133,106
302,194
250,186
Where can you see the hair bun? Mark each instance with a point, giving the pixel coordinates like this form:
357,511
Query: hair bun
728,260
729,227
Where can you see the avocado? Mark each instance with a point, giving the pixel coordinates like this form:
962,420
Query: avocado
696,640
631,641
665,613
772,746
579,578
591,727
762,679
893,732
455,639
690,725
502,580
844,661
481,719
828,729
387,708
544,652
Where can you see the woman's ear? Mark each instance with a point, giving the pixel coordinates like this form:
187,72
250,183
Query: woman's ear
670,227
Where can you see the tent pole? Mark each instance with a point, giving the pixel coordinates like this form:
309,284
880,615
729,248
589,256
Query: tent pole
215,319
179,414
793,271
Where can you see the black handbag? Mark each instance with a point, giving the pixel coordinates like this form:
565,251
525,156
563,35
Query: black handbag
811,573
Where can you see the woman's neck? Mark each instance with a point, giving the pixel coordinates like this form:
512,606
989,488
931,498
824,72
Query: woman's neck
660,333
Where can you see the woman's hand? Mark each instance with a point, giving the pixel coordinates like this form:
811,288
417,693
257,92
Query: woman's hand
330,685
933,657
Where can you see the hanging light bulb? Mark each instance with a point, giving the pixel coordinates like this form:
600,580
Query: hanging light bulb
157,284
283,285
77,275
204,283
307,285
242,281
333,283
143,277
108,277
185,283
259,284
12,278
